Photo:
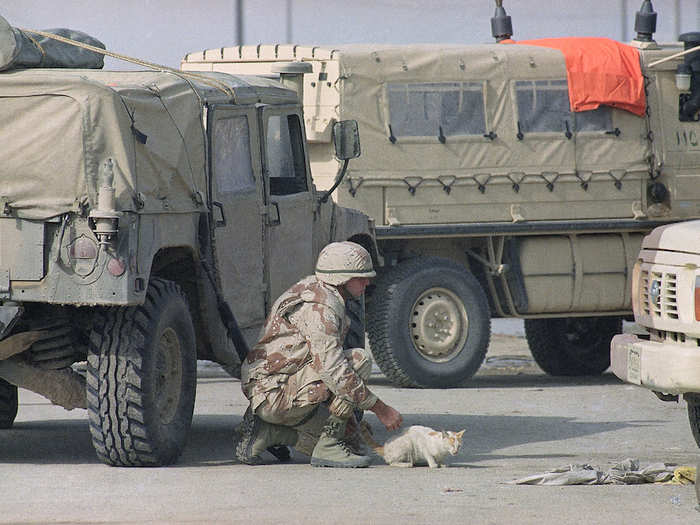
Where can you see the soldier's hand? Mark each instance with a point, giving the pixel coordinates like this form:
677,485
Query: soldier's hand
389,417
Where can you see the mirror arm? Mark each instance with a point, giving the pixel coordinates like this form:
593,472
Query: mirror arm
338,180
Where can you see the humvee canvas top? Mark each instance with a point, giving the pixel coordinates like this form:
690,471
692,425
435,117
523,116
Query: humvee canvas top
150,123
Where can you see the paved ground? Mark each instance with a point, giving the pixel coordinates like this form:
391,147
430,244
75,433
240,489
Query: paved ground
518,422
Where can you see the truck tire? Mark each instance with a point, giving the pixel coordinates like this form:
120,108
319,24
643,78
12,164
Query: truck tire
693,401
141,379
573,346
429,323
8,404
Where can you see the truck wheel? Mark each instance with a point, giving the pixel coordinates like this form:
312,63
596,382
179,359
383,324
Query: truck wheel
141,379
428,323
573,346
8,404
693,401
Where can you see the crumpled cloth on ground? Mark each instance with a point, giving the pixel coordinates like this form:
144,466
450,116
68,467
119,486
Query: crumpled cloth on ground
627,472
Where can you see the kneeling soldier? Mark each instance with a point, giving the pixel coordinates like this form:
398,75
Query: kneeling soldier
299,379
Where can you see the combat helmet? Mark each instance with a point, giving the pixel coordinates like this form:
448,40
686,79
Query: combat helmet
339,262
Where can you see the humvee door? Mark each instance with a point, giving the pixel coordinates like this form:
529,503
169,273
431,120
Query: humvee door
289,230
237,192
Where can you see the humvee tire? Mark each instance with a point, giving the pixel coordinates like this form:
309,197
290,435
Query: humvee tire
8,404
693,401
428,323
141,379
573,346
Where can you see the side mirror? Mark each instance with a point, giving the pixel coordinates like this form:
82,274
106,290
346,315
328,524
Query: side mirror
346,139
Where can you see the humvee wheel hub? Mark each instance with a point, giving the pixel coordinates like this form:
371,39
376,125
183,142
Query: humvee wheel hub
439,324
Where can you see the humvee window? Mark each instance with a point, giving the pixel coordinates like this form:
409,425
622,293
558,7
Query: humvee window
427,109
286,164
231,158
543,106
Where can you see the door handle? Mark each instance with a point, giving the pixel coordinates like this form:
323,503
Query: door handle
222,222
274,219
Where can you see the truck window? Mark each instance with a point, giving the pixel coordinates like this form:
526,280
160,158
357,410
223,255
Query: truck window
420,110
543,106
286,164
595,120
232,166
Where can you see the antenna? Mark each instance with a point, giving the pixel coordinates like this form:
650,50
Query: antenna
501,25
645,22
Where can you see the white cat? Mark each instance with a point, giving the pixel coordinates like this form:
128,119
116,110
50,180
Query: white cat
417,445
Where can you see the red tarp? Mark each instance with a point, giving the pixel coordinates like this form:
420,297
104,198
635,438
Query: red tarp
599,71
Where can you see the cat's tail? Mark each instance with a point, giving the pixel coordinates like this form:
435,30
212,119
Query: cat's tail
366,433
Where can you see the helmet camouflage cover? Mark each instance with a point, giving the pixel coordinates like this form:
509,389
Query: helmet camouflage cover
339,262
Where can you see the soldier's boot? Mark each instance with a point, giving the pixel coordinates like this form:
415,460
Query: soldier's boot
332,450
255,436
310,430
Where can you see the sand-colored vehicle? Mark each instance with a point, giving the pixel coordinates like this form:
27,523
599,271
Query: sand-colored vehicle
506,180
148,219
666,303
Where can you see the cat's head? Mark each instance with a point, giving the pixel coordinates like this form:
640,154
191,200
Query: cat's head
453,440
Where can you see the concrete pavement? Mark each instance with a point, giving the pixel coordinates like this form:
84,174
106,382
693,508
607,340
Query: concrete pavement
518,422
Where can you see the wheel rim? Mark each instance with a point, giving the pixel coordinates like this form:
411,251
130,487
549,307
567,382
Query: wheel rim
168,375
439,325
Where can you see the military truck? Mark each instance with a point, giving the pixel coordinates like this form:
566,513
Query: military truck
148,219
666,303
514,179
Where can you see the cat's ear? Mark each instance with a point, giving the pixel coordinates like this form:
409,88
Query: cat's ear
460,434
444,434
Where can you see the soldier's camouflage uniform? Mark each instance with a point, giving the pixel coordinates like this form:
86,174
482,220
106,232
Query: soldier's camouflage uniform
299,362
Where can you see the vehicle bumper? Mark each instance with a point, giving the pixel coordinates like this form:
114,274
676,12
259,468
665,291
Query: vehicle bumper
663,367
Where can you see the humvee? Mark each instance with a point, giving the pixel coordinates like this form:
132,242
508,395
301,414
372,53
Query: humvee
496,192
148,219
666,303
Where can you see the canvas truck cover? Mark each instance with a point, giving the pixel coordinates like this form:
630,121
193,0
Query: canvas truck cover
372,75
57,127
459,133
364,79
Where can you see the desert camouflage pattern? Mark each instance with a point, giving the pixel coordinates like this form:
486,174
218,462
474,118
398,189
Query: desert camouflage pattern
299,362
